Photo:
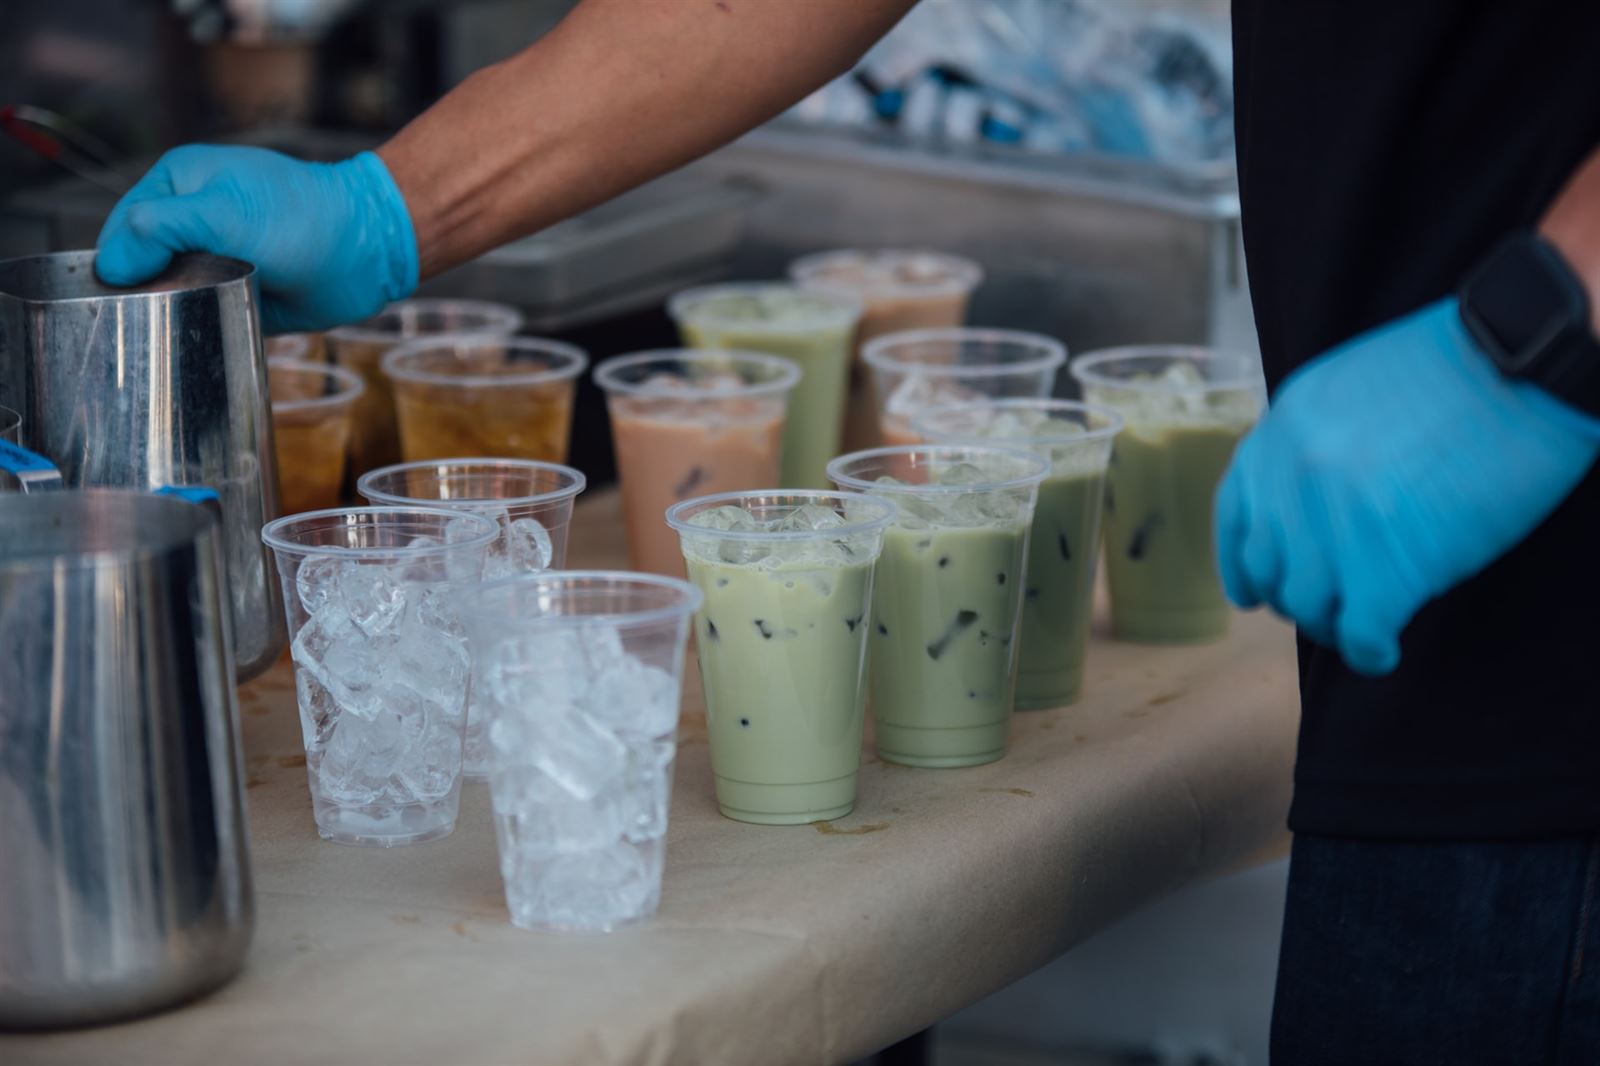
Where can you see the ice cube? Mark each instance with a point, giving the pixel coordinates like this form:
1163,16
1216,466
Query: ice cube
364,753
574,750
318,710
315,579
810,517
372,595
430,769
648,788
743,552
543,819
962,474
727,518
917,392
527,546
634,697
342,659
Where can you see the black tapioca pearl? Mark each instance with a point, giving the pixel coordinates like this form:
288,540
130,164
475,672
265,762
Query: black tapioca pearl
1031,593
851,623
722,582
1063,546
971,695
883,630
711,630
745,722
763,629
960,624
1000,578
1139,543
690,482
944,561
788,584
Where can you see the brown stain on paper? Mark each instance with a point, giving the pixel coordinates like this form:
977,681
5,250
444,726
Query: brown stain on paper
828,829
1009,791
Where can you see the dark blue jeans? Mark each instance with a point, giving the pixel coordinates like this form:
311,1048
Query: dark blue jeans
1458,954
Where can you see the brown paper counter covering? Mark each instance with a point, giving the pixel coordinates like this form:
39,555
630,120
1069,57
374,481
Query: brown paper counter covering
811,944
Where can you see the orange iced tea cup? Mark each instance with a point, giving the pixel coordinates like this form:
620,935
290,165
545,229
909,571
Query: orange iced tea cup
507,397
361,348
311,409
686,423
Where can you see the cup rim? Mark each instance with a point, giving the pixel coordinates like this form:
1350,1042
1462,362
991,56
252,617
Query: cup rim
571,361
876,352
605,374
1085,369
272,533
681,304
886,514
1114,422
300,340
836,465
964,276
689,597
509,321
577,482
352,384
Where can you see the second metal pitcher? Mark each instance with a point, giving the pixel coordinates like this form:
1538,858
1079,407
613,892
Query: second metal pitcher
162,384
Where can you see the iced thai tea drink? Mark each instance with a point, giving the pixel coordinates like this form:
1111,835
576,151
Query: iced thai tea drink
505,397
311,418
689,423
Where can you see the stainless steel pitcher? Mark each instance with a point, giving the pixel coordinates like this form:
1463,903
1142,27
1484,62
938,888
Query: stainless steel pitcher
124,862
157,385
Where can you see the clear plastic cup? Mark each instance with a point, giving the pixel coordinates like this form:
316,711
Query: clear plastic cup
689,423
306,347
1186,409
531,505
362,346
782,639
581,673
380,663
1058,598
900,289
922,368
504,396
311,408
814,328
10,426
949,596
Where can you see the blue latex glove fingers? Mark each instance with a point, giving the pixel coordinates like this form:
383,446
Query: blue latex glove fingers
1391,468
331,243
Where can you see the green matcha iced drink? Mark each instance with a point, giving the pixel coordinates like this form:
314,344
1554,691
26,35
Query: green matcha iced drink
787,579
1058,600
815,329
1186,409
950,580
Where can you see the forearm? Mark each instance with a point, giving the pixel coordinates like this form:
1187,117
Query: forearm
621,92
1572,224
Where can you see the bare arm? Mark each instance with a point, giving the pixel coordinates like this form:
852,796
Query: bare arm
621,92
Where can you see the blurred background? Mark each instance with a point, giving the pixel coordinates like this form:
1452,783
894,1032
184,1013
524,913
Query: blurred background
1080,150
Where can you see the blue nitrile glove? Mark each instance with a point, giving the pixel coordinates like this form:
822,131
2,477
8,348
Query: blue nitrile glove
331,242
1387,471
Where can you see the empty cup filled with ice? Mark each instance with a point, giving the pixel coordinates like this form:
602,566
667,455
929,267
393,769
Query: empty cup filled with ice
1063,547
788,582
689,423
580,674
530,503
1186,409
921,368
948,603
380,663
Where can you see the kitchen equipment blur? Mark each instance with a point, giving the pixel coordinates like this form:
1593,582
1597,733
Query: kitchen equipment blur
152,386
125,886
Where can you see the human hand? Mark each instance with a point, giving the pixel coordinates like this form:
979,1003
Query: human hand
331,242
1387,471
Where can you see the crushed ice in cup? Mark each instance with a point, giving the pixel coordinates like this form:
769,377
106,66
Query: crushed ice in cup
917,392
810,518
581,740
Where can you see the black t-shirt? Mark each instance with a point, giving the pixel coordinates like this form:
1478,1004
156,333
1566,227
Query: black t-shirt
1383,149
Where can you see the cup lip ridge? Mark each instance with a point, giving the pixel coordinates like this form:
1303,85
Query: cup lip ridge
379,498
689,598
510,318
1114,421
572,360
353,385
876,352
231,271
131,554
964,277
849,306
789,373
272,533
836,465
1085,369
675,515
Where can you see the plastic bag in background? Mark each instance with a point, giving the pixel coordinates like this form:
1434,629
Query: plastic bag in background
1148,80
